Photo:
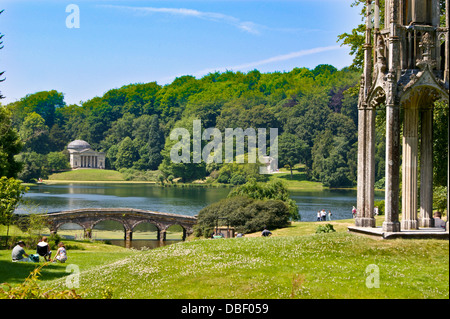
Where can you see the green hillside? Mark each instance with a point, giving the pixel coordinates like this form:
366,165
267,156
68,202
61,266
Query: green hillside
87,175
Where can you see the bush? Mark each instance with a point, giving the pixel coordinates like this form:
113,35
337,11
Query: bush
54,241
328,228
245,214
224,178
274,190
238,179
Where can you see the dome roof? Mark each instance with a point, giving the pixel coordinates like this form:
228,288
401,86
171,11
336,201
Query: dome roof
78,145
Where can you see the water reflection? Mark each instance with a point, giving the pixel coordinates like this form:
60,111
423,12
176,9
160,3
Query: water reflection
176,200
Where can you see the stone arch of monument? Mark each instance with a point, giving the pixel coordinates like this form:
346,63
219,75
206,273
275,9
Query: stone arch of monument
406,68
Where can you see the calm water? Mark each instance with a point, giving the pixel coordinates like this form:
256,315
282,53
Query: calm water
185,201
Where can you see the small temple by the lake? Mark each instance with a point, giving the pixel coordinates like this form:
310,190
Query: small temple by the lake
83,156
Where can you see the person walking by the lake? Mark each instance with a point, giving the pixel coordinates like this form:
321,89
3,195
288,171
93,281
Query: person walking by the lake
354,212
18,253
319,216
61,253
375,211
43,249
329,215
323,215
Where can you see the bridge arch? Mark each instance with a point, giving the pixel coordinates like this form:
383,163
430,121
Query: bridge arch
175,225
137,228
102,228
129,218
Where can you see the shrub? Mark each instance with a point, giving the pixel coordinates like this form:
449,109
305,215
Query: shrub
224,177
245,214
54,241
237,179
274,190
328,228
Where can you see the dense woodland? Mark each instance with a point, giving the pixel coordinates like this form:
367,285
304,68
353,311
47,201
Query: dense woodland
314,111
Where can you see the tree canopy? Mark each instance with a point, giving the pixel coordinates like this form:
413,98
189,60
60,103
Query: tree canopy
132,124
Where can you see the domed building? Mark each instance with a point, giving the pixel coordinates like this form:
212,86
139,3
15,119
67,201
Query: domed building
83,156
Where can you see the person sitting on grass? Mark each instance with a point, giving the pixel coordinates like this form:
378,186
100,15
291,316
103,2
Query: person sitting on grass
43,249
266,233
18,253
61,254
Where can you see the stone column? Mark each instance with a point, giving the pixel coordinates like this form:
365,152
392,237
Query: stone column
391,223
409,165
162,235
128,238
426,170
366,168
361,178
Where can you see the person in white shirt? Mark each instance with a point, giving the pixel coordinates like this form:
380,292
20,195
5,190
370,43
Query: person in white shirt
43,249
323,215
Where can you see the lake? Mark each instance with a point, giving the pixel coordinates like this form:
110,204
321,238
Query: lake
176,200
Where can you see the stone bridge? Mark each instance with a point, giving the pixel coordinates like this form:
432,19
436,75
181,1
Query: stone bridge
128,217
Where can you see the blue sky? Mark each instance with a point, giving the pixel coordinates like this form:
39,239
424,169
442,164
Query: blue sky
123,42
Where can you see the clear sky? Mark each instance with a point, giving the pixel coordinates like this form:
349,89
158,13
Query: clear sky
122,42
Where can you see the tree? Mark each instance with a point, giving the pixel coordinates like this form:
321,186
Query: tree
10,145
291,150
155,144
245,214
43,103
274,190
35,134
356,39
57,161
11,192
35,166
126,154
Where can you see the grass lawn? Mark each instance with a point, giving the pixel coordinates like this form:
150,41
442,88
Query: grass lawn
296,181
88,255
293,263
90,175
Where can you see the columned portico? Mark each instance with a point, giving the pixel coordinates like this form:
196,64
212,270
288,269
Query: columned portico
82,156
406,67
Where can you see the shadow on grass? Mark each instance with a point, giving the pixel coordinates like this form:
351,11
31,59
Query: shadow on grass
17,272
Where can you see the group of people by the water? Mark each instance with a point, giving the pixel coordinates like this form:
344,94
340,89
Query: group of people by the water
18,253
322,215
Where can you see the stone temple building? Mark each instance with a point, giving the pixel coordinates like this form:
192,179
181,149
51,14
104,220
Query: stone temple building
83,156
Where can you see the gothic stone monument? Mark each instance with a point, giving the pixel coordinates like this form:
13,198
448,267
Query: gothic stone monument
406,71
